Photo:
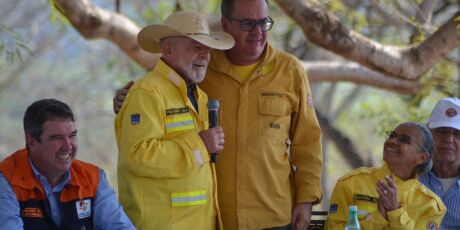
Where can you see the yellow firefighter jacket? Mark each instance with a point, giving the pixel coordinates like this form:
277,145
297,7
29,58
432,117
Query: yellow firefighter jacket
259,117
165,180
419,207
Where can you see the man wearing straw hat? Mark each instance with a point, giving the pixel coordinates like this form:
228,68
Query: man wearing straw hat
164,173
270,170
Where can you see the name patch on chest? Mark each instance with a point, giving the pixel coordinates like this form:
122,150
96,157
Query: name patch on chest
83,208
366,198
272,94
32,213
176,111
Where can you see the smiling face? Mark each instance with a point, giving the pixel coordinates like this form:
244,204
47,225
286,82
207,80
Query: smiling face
402,151
249,45
187,57
53,154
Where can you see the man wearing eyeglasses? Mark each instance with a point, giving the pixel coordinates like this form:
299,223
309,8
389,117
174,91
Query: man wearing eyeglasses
266,104
444,178
269,171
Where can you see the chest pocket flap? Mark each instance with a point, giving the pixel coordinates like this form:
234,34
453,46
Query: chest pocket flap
272,106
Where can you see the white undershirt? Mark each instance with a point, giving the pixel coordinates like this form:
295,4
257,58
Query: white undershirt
448,182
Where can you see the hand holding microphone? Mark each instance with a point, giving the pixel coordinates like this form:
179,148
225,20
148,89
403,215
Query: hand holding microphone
213,138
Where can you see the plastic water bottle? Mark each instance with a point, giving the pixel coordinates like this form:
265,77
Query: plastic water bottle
353,223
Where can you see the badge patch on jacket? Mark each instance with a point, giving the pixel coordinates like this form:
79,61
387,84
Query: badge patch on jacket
83,208
32,213
333,208
272,94
135,119
366,198
178,120
173,111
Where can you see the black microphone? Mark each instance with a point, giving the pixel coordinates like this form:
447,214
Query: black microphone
213,108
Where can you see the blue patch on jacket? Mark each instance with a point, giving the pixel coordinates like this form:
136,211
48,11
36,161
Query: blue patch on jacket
135,119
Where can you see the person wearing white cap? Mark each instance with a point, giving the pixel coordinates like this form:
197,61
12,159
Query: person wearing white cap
165,177
444,178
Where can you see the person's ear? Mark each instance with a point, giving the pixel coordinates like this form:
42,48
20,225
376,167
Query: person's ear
423,158
167,50
165,47
31,142
224,23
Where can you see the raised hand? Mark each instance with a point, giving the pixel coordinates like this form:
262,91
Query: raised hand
388,195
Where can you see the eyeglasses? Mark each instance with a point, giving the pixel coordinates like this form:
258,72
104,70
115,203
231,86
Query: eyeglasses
265,24
401,138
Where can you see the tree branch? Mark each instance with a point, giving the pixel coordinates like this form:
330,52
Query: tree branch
342,71
343,143
325,30
94,22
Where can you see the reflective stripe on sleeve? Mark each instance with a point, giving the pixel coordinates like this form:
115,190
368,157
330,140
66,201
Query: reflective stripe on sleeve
179,123
198,158
181,199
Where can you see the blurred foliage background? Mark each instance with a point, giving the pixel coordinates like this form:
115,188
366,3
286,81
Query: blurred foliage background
42,56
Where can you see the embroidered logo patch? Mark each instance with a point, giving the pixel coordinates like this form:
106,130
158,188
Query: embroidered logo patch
32,213
275,125
431,226
451,112
83,208
135,119
333,208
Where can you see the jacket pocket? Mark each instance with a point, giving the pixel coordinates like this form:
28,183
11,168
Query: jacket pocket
274,118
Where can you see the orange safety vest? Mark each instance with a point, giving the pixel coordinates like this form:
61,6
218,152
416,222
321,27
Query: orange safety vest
77,198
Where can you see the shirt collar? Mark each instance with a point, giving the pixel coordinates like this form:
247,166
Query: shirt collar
191,88
40,177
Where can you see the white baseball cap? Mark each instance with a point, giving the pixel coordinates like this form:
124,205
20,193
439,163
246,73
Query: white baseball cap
446,113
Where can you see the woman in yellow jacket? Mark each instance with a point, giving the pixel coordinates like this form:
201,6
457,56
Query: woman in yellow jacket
390,197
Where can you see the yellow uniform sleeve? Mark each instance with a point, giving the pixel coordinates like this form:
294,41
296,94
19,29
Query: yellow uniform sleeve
418,210
305,150
338,211
431,210
145,149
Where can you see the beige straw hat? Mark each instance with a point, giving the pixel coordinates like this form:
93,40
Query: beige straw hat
190,24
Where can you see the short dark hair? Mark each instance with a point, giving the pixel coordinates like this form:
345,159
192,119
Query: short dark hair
427,145
44,110
226,8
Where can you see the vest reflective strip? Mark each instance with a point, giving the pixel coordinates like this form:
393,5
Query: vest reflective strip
181,199
179,123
